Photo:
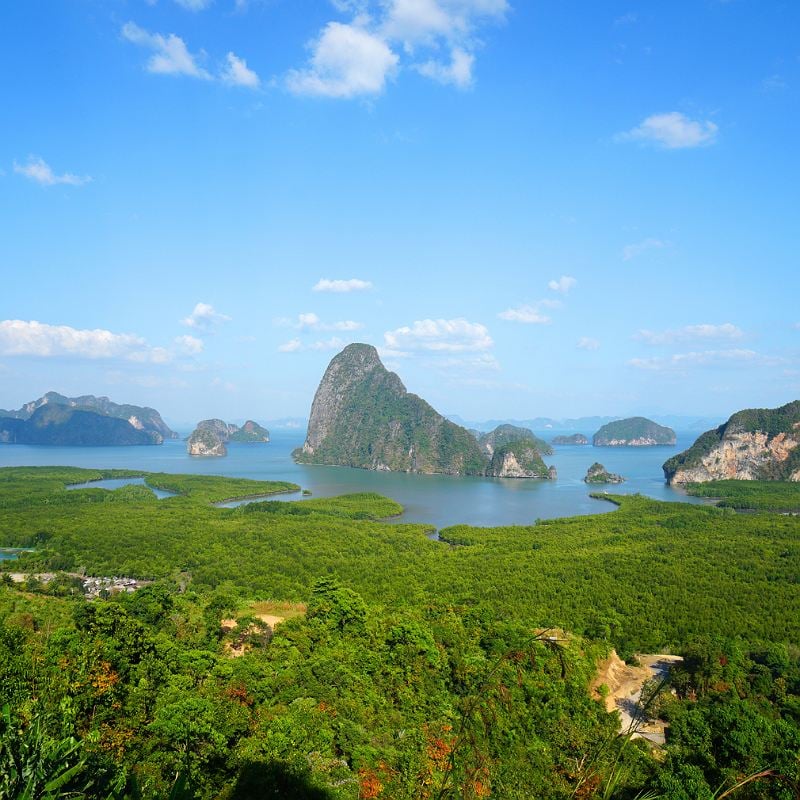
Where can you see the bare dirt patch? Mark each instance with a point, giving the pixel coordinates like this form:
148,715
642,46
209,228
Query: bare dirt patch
624,683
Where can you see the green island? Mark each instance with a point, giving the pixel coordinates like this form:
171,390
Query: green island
315,650
633,432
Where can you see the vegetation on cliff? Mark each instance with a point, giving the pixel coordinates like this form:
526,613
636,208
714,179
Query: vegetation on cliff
505,434
597,473
633,432
211,436
362,416
250,432
518,458
774,423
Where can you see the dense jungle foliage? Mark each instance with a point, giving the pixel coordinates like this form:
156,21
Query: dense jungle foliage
405,667
754,495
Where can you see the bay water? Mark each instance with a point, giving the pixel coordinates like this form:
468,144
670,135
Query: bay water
438,500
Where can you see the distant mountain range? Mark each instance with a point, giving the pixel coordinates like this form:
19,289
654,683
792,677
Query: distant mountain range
55,419
588,425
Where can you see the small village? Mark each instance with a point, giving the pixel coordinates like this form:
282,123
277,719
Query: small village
93,587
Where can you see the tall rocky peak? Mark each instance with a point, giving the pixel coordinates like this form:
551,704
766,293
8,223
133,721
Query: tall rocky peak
357,365
754,444
362,416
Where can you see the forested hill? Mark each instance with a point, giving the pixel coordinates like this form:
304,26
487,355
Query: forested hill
362,416
633,432
87,420
141,417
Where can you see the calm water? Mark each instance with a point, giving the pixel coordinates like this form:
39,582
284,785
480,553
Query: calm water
117,483
434,499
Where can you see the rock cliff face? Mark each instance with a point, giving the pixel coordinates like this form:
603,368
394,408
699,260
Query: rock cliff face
575,438
597,473
62,426
362,416
211,435
754,444
633,432
209,438
141,418
519,459
503,434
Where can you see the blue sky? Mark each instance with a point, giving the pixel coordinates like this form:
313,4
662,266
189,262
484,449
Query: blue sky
531,208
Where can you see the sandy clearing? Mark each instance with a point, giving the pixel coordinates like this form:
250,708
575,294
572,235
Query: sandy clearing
625,683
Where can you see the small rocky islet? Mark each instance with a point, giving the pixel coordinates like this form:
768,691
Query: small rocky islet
598,474
211,436
575,438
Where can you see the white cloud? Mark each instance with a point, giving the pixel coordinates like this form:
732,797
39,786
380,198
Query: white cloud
626,19
339,286
204,318
427,22
237,73
170,54
227,386
672,131
194,5
457,73
296,346
357,59
773,83
440,335
528,314
587,343
637,248
292,346
346,61
310,321
37,169
190,345
470,363
117,377
688,333
563,284
707,358
334,343
32,338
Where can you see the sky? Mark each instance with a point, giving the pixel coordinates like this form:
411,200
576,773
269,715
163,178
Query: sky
531,207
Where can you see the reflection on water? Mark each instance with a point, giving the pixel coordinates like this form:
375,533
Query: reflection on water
436,499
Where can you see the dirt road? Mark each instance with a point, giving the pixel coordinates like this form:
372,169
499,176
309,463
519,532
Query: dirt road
625,684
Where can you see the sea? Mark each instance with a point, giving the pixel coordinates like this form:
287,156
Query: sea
437,500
